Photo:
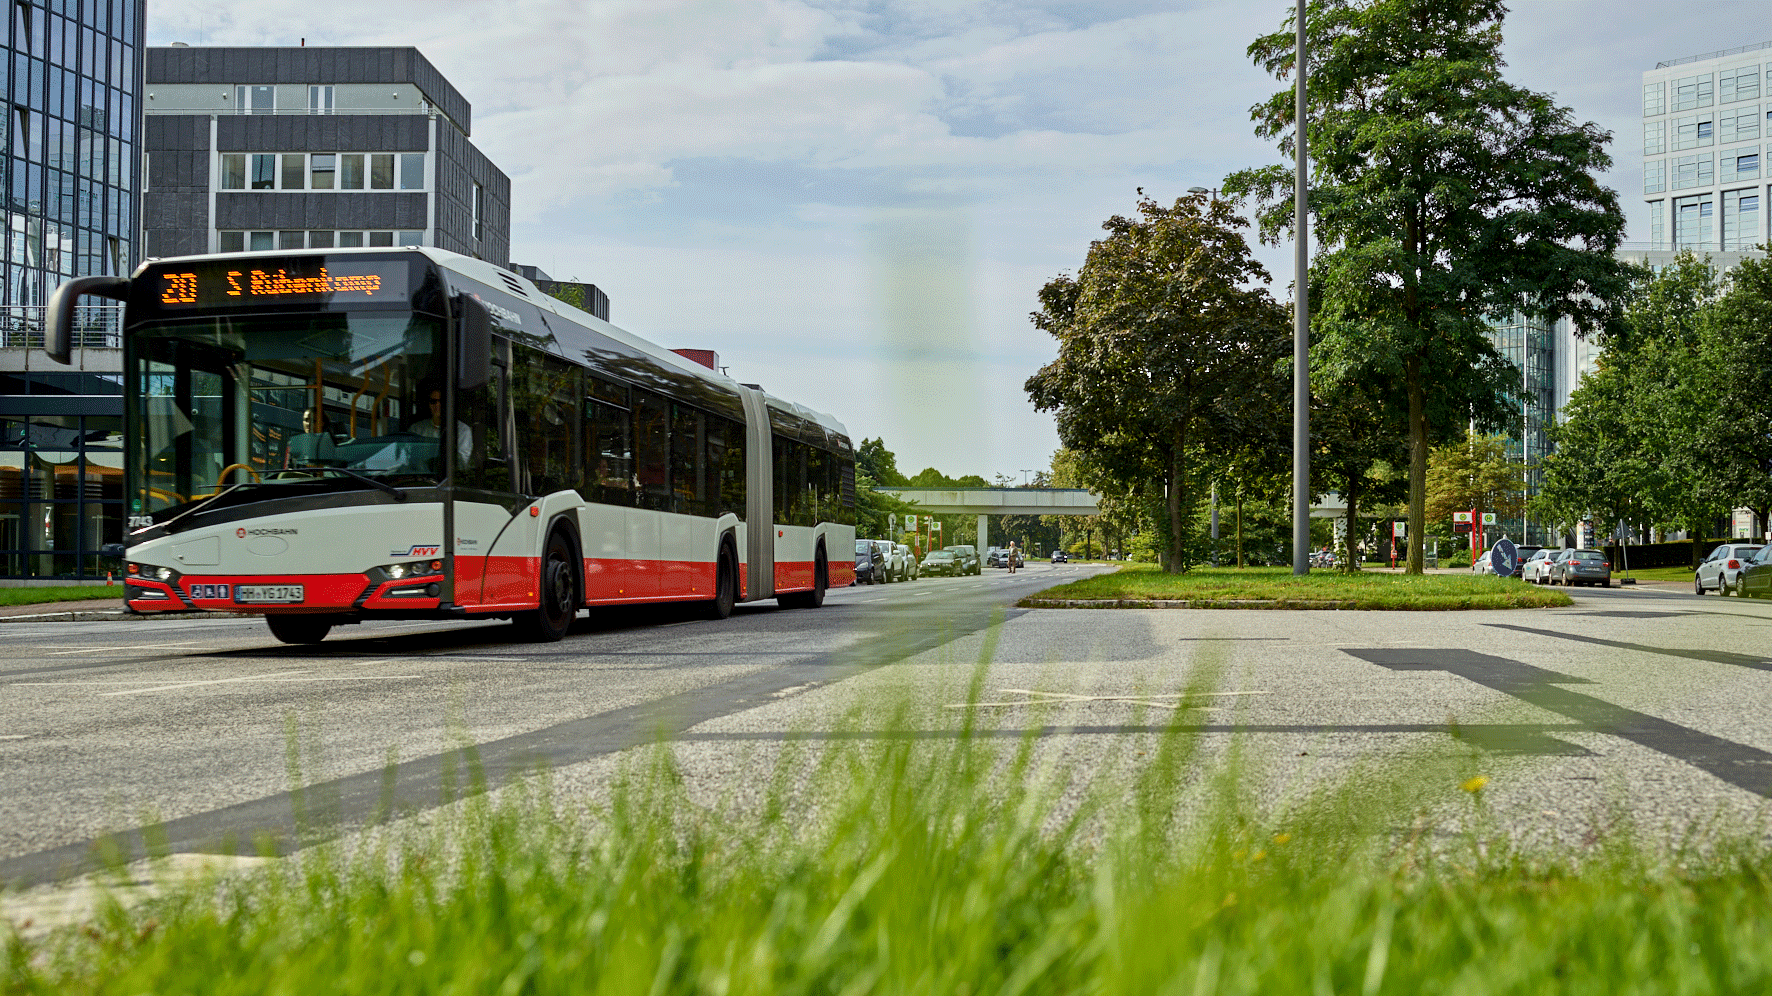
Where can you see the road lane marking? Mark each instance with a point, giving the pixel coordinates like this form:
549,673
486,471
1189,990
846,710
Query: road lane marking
13,736
276,676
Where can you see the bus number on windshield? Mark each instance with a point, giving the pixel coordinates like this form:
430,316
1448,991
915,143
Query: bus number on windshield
181,288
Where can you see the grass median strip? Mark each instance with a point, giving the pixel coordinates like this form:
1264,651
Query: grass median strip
58,593
1144,585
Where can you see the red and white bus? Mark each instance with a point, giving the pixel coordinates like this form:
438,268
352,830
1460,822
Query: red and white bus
331,436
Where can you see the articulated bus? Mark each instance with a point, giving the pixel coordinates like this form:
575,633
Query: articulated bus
332,436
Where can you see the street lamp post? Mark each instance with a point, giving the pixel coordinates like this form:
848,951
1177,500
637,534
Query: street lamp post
1301,328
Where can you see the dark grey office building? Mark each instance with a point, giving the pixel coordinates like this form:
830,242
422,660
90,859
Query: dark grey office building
252,149
72,84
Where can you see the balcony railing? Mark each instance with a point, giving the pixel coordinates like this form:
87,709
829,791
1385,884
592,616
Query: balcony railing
98,326
1714,55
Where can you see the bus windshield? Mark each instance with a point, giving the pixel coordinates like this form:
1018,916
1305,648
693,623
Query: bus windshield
284,400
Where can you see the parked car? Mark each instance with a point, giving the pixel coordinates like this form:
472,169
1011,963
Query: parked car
1720,570
1060,557
1573,567
1536,569
909,569
891,571
1755,579
1523,554
870,566
967,555
993,557
940,563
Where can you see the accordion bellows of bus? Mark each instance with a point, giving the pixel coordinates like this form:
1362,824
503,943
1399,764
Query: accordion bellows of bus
331,436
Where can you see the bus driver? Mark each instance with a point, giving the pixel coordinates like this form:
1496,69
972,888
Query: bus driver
432,428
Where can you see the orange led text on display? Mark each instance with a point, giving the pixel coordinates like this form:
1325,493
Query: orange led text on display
185,288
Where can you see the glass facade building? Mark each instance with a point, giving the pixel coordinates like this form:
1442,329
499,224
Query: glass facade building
71,134
1533,348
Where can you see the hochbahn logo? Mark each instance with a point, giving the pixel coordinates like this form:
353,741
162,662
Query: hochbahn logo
417,551
243,533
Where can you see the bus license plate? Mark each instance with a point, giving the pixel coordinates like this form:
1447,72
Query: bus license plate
268,593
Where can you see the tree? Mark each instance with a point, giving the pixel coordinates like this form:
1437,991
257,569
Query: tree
875,460
1474,475
1442,195
1355,431
1736,424
1164,352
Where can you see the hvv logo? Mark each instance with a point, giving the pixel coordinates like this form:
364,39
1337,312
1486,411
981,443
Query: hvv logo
417,551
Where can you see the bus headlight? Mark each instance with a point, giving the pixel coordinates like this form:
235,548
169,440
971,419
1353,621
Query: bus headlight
409,569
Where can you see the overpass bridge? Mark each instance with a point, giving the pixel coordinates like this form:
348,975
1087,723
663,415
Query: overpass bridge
986,502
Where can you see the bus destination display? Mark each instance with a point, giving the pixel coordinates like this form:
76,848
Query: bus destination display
249,283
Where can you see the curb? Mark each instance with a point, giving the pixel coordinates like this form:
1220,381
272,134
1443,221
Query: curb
117,615
1245,603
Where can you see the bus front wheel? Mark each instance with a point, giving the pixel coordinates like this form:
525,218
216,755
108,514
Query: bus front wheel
558,594
299,629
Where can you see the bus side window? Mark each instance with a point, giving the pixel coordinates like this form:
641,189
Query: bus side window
546,406
483,410
688,461
725,466
609,455
652,451
817,489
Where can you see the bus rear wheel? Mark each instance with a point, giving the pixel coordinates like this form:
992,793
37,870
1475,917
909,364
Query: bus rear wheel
299,629
725,585
558,591
814,598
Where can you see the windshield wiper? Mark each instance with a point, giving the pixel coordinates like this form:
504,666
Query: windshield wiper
372,482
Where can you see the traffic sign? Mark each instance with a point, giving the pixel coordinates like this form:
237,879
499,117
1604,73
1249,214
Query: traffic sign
1488,518
910,523
1400,528
1504,557
1464,517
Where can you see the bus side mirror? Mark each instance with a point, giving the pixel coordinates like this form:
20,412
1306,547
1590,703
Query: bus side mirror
58,328
473,343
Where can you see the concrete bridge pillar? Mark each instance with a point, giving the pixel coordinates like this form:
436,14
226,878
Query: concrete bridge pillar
984,534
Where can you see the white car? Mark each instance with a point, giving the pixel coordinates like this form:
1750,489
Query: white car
1721,571
1536,569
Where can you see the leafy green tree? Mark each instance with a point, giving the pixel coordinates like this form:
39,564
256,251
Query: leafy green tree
1442,195
1474,474
1735,427
875,460
1356,431
1165,351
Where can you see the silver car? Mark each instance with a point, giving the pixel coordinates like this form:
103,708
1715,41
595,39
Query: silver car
1536,569
1721,571
1573,567
911,570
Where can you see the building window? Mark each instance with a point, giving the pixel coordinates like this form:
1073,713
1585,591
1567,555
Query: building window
320,100
1741,219
1654,138
1694,131
1692,222
350,171
264,171
233,171
295,170
1738,84
1658,224
255,99
1739,164
479,211
322,167
412,171
1692,91
1654,99
1739,124
381,171
264,241
1693,171
1655,176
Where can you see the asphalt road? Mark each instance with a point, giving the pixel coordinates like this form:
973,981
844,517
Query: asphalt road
1651,702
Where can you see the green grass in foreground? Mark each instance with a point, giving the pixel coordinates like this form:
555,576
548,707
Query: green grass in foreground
935,866
58,593
1362,590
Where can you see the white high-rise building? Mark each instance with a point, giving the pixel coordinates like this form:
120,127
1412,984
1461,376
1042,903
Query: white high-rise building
1705,127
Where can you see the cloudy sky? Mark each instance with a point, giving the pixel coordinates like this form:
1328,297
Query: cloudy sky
855,201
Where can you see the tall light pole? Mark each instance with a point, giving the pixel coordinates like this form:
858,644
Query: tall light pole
1301,330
